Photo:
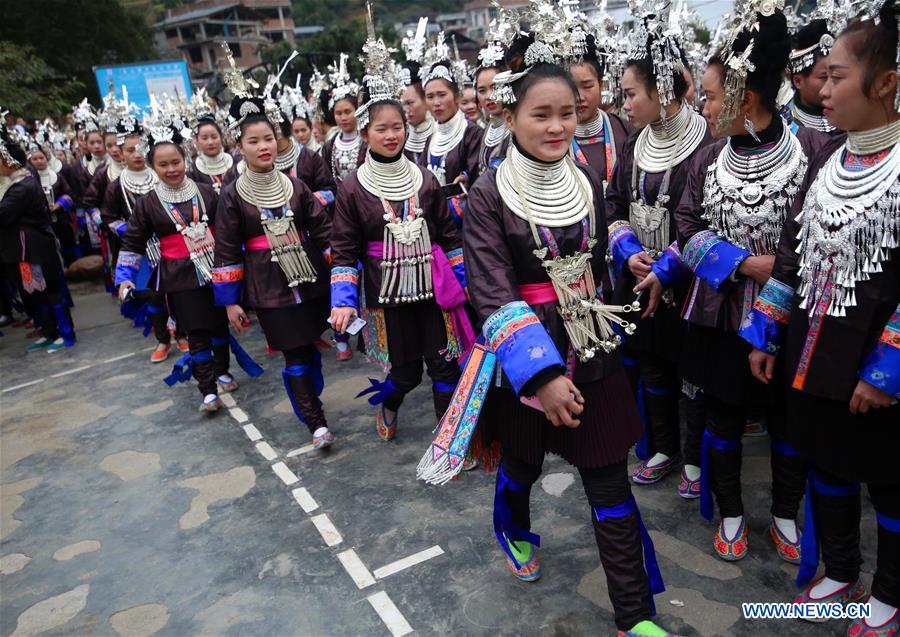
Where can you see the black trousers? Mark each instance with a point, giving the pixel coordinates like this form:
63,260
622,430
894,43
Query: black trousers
618,541
662,391
302,389
837,525
44,308
694,411
788,471
206,372
444,376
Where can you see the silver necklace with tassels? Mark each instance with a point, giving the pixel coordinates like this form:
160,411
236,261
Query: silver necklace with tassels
287,250
196,234
588,322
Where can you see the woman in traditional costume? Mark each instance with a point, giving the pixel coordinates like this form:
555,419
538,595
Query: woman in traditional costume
420,123
212,165
495,141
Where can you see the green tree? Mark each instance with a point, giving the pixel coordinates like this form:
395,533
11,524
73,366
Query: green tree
73,36
29,88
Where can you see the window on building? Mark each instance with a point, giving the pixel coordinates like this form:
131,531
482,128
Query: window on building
196,54
235,49
276,36
171,33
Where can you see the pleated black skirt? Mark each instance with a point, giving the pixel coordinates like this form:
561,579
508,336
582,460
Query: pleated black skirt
295,325
610,425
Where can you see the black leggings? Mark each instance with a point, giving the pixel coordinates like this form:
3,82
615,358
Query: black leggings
837,525
301,389
618,540
727,422
206,372
662,391
444,376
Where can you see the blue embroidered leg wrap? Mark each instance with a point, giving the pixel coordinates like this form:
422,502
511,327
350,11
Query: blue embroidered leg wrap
314,371
503,522
708,443
784,449
443,388
65,327
246,362
809,543
380,391
642,449
629,507
184,366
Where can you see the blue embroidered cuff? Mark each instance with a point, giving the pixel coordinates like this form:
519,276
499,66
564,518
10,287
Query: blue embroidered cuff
66,202
95,217
670,268
623,243
119,228
324,197
521,343
455,257
228,284
127,267
344,287
711,258
765,325
881,368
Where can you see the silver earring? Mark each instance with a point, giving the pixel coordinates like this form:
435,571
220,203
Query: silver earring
662,113
750,128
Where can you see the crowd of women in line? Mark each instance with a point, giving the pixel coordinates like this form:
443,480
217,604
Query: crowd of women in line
630,233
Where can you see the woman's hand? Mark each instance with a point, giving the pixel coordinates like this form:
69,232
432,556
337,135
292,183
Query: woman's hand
341,318
237,317
462,179
762,365
758,268
650,281
124,286
866,397
640,263
562,402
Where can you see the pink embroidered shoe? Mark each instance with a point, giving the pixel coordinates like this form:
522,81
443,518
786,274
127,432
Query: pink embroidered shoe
529,571
386,430
846,594
647,474
346,355
861,628
734,549
787,550
688,489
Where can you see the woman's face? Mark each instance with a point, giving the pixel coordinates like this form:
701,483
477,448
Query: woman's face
641,105
95,145
301,130
258,146
414,105
843,100
484,90
133,158
345,116
468,104
209,141
61,154
589,90
112,148
169,164
318,133
809,87
544,120
38,159
386,132
713,97
442,100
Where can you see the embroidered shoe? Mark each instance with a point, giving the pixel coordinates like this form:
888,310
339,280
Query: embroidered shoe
41,343
529,569
651,474
734,549
756,428
386,430
846,594
226,383
646,628
688,489
56,345
787,550
323,440
346,355
183,345
161,353
210,404
469,463
861,628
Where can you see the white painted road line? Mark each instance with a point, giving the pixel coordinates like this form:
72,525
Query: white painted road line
390,614
238,414
305,500
23,385
300,451
252,433
71,371
406,562
118,358
266,451
327,530
356,569
228,400
287,476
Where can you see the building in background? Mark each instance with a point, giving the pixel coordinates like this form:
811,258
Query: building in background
195,31
479,14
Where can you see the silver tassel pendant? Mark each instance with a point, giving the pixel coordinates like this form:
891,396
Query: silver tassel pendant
287,250
406,260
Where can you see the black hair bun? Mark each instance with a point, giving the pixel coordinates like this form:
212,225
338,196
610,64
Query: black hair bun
515,56
810,34
771,45
409,73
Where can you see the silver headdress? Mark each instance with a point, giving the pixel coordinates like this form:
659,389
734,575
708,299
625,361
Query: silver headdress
653,36
113,110
382,78
293,103
85,117
737,63
414,44
342,85
165,123
245,102
199,109
501,32
437,64
8,138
